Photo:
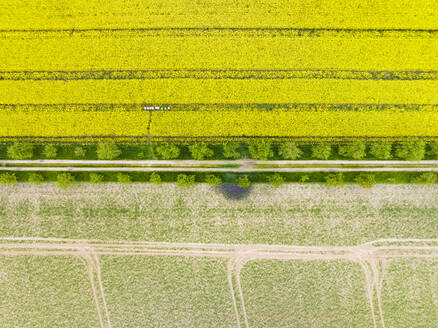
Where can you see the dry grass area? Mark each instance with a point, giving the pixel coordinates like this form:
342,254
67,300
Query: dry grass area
293,214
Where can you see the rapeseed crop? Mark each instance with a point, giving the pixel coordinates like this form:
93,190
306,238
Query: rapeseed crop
296,123
208,91
218,49
343,14
78,123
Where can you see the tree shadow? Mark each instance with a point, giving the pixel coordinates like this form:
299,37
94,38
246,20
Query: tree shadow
233,191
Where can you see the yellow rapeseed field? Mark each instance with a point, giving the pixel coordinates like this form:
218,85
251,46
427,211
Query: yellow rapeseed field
296,123
54,123
192,91
218,49
194,54
349,14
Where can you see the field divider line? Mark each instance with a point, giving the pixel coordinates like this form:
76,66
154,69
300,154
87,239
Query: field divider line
97,267
369,279
90,270
230,274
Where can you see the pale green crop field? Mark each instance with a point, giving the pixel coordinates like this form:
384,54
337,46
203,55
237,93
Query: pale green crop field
157,291
410,293
305,294
179,291
293,214
45,291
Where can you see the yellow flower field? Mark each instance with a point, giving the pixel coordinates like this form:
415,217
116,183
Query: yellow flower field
83,14
53,123
296,123
56,123
219,49
193,91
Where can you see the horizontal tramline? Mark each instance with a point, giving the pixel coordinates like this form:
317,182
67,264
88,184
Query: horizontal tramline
219,74
215,107
230,31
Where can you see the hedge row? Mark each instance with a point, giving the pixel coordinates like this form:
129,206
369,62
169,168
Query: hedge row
366,180
411,149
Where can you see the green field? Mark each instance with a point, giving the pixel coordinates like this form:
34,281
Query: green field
410,293
293,214
305,294
44,291
164,291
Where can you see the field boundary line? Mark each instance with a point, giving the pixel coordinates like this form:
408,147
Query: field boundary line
307,31
90,270
97,266
230,265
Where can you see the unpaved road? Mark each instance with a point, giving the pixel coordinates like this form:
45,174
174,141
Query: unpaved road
218,166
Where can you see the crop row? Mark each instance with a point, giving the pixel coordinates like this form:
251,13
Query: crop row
83,14
295,123
190,91
79,123
216,107
218,50
218,74
320,123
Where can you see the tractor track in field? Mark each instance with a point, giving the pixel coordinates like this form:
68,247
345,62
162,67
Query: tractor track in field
368,255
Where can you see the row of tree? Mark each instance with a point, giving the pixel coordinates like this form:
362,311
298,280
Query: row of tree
66,180
411,149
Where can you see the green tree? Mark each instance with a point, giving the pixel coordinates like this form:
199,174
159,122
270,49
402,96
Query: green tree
276,180
96,178
8,178
79,152
36,178
230,150
243,182
321,151
304,178
213,180
433,150
200,151
261,150
20,151
65,180
108,150
50,151
123,178
381,150
184,180
336,180
365,180
155,178
168,151
354,150
289,150
411,150
426,178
